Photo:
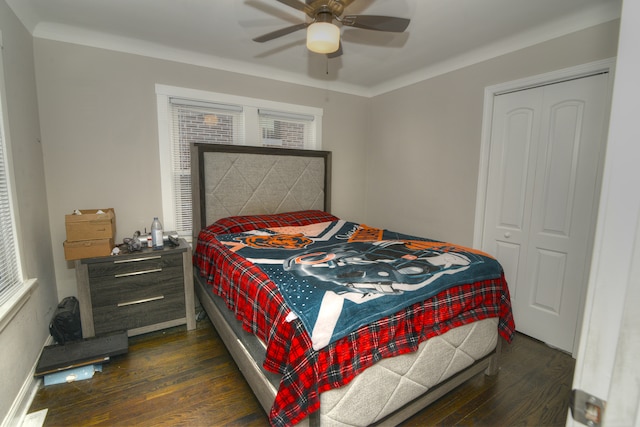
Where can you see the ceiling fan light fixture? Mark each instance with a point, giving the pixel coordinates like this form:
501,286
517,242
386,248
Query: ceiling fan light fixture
323,37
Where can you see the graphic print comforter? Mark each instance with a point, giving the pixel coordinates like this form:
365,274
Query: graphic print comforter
337,276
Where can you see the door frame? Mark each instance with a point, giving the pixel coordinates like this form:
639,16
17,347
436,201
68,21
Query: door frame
490,92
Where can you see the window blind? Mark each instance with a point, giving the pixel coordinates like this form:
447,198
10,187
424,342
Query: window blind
10,274
197,122
287,130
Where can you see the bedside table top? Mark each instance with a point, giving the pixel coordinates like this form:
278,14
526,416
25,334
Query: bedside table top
144,252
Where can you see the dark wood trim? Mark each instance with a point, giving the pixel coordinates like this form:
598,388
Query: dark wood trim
197,163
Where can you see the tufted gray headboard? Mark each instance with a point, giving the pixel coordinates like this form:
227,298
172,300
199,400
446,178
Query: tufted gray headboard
228,180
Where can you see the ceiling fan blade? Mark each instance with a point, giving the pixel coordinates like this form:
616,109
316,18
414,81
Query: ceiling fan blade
345,3
281,32
297,4
377,23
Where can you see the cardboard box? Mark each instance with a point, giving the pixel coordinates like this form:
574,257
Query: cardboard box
87,249
91,225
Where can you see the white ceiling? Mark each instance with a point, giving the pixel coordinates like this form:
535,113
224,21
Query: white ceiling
443,35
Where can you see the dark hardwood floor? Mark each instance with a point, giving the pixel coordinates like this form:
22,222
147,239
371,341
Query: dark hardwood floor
187,378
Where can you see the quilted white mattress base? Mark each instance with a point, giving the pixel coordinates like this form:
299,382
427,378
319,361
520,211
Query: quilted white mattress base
393,382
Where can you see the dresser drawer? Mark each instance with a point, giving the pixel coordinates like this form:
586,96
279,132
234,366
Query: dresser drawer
110,319
138,266
108,291
132,302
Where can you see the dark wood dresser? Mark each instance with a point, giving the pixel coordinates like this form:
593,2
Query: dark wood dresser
139,292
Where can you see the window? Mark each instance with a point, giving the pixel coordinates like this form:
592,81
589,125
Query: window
193,122
188,116
286,130
10,271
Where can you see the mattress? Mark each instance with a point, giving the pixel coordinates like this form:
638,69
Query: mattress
393,383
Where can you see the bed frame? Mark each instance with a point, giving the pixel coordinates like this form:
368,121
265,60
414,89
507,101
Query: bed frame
232,180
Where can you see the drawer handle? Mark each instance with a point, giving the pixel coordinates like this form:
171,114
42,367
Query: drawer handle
140,301
147,258
137,273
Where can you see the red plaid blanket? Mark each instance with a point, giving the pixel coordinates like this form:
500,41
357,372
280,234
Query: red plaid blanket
306,373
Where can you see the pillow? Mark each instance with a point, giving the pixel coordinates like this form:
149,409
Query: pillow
239,224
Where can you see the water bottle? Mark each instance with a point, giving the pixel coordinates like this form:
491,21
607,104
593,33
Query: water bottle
156,234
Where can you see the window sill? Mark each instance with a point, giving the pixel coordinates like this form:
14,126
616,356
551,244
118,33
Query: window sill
10,308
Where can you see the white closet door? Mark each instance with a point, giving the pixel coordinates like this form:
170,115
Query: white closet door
512,162
541,198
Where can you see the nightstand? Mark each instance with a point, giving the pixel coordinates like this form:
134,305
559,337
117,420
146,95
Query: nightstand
139,292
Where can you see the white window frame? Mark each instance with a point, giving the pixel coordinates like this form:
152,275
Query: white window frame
251,107
16,295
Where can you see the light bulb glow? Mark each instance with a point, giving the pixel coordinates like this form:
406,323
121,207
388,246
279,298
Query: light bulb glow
323,37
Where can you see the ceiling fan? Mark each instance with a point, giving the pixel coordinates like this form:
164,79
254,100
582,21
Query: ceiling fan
323,36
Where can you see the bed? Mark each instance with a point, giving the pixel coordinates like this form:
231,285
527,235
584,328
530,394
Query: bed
262,210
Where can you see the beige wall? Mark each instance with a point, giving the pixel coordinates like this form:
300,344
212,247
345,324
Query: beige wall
22,338
424,152
100,134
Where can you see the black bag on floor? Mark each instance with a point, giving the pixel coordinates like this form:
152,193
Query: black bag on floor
65,325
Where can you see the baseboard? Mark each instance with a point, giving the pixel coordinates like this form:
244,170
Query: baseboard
22,402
